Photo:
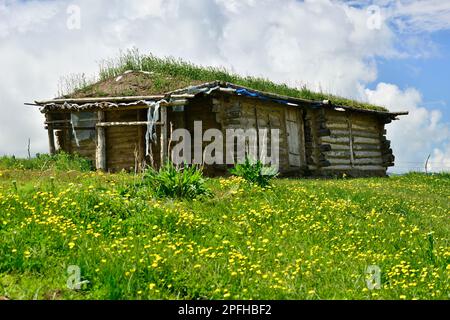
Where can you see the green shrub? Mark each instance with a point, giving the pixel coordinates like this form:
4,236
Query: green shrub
254,172
61,161
169,181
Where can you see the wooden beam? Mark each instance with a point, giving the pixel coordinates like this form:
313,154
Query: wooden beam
126,124
164,140
100,152
114,99
51,135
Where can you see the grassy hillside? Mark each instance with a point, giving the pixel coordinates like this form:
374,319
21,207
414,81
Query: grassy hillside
153,75
300,239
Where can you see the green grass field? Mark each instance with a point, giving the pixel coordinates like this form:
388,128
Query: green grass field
299,239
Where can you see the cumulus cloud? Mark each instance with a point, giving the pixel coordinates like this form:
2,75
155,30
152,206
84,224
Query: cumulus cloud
415,136
324,44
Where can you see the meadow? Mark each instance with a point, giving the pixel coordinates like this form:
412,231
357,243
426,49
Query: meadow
297,239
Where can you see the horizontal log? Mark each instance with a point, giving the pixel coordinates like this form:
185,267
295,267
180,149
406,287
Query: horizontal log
336,161
338,154
366,147
62,127
367,154
359,140
340,147
357,148
368,161
125,124
341,123
356,133
335,140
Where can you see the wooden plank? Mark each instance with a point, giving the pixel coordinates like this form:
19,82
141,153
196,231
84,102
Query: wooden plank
293,137
164,132
302,138
100,153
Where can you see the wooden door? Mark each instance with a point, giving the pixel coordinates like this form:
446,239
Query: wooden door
294,136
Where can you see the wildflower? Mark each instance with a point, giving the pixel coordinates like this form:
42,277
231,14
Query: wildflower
151,286
71,245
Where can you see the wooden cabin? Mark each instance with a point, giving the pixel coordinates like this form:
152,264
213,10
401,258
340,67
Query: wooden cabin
316,138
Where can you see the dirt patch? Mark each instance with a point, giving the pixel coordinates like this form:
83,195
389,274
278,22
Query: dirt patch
134,83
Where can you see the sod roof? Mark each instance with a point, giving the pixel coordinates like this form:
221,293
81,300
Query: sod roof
133,74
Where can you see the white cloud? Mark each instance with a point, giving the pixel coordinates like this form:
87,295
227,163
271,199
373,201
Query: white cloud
324,44
412,16
19,17
417,135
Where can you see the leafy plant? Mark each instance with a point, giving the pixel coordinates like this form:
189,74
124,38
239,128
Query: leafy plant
254,172
169,181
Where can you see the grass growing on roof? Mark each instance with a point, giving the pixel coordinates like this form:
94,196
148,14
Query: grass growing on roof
171,74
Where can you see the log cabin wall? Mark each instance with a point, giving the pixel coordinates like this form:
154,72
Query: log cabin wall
352,143
246,113
330,142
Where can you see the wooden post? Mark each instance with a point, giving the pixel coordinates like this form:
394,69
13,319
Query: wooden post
51,136
100,152
164,149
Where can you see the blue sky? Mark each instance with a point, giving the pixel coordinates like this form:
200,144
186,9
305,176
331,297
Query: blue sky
431,75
